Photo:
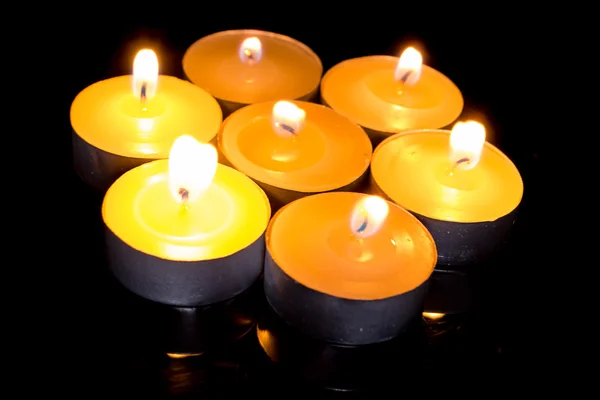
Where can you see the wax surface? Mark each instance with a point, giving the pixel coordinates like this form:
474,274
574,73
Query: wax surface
139,209
311,241
108,116
364,90
288,69
309,162
414,170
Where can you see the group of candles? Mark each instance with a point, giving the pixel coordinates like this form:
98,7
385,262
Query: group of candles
189,197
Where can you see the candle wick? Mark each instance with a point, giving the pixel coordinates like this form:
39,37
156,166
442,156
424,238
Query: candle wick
404,77
143,92
461,161
363,226
184,194
286,127
249,54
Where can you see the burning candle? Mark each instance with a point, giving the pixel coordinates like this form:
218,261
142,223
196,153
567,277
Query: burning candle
122,122
463,189
346,267
387,95
186,231
294,148
241,67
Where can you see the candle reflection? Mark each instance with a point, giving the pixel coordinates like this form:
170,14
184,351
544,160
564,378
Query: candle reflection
433,315
145,125
180,355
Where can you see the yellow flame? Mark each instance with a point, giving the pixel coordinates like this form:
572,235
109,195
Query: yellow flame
466,143
145,74
368,216
250,51
288,119
192,167
409,67
433,315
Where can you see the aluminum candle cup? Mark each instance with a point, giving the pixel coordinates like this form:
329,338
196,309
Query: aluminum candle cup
241,67
469,211
293,149
123,122
347,268
201,251
386,95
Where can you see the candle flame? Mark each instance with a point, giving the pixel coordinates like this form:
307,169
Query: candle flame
251,50
410,65
287,118
466,143
368,216
145,74
192,167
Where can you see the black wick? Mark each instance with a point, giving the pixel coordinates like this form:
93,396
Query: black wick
287,128
143,91
184,193
405,76
249,54
463,160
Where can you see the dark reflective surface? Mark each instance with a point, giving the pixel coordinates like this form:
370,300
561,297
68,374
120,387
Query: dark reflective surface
242,347
111,342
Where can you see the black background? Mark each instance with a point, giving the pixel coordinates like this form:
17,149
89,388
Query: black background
475,48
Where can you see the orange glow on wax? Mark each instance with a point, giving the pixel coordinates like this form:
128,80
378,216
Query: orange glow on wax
448,175
392,255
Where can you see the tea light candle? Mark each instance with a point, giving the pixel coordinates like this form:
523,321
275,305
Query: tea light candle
387,95
292,149
463,189
186,231
122,122
241,67
346,267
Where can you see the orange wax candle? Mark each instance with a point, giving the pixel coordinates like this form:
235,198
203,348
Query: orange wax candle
295,148
241,67
122,122
387,95
186,231
347,267
465,190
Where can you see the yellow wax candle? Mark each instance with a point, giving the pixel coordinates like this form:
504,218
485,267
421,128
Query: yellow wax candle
295,146
242,67
387,95
122,122
451,177
188,210
341,245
